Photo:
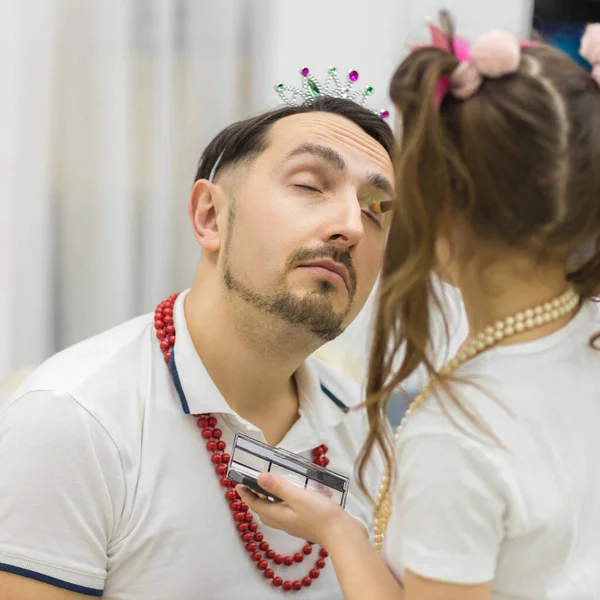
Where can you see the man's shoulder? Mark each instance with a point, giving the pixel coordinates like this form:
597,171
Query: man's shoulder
109,353
105,375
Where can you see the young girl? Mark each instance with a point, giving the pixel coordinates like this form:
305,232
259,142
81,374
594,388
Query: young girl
494,485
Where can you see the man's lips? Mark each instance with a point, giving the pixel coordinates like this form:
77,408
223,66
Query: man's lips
333,270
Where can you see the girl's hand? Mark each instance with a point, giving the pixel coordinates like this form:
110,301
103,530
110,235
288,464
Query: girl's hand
303,513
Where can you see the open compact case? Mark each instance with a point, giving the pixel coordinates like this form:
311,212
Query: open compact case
250,458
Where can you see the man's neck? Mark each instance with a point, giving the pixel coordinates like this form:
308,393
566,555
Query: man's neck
251,358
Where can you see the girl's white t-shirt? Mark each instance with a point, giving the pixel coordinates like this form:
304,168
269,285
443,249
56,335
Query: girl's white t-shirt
522,511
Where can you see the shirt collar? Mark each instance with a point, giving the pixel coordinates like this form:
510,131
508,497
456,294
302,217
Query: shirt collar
199,394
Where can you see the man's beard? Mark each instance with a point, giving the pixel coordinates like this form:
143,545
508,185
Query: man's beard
313,312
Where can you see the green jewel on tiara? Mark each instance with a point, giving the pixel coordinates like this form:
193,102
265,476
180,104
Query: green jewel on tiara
312,89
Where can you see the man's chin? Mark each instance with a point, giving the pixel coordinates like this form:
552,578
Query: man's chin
336,300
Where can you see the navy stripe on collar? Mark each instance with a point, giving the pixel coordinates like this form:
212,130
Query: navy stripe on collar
177,383
186,407
65,585
334,399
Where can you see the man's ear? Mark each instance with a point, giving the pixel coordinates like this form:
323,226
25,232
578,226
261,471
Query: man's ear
203,209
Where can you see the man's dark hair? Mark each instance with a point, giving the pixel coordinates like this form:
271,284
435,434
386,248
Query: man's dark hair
245,140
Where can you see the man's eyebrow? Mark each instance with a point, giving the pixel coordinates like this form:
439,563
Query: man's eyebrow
335,159
326,153
381,183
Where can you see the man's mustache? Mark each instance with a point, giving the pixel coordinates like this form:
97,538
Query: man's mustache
335,254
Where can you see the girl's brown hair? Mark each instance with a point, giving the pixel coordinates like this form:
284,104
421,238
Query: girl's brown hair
519,162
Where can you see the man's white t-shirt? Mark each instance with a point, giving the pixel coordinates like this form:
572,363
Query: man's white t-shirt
106,486
522,511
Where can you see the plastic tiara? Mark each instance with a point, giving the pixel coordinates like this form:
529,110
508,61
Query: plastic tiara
311,89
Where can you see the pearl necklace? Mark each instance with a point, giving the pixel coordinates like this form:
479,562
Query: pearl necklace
490,336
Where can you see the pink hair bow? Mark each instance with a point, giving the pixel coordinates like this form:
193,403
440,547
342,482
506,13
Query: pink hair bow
493,55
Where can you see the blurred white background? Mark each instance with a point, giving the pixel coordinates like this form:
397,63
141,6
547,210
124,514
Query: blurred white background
105,107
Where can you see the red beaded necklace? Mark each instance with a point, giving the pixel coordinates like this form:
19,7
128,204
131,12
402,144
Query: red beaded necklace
255,544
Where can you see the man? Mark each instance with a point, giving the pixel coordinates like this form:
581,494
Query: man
114,452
